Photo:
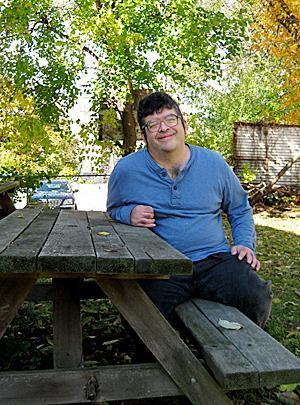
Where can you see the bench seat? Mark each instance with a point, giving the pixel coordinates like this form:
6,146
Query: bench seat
239,359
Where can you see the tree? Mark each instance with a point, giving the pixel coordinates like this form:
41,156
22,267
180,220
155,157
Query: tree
276,32
29,148
130,46
248,92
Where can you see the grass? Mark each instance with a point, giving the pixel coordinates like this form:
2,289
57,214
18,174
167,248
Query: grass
27,343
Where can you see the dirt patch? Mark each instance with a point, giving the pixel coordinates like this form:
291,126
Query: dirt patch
287,220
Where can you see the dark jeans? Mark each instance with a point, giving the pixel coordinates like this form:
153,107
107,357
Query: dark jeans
220,277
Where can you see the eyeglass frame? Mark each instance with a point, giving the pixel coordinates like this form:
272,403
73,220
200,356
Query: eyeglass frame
161,121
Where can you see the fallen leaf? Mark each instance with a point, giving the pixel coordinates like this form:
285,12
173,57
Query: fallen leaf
293,333
276,300
103,233
127,358
290,303
20,216
110,342
229,325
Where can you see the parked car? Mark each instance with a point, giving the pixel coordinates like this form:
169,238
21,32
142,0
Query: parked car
56,193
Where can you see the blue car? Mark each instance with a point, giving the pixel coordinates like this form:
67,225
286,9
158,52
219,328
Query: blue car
55,193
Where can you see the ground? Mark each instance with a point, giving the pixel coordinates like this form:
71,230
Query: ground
287,220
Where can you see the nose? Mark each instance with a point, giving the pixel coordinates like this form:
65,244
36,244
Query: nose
163,126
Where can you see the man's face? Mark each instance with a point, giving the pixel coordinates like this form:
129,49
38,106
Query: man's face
164,137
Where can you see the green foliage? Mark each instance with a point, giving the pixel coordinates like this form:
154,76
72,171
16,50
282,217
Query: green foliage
30,149
28,342
248,93
115,47
247,175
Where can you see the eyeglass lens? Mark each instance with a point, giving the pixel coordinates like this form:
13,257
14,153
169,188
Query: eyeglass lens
170,121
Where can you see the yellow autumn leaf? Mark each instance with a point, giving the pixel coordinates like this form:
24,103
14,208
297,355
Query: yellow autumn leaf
103,233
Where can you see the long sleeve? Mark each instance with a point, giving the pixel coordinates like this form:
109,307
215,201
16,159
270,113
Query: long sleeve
116,206
239,212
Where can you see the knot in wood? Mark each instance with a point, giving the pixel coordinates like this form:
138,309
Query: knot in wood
91,388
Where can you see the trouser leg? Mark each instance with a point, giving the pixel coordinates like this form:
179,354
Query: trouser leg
168,293
224,278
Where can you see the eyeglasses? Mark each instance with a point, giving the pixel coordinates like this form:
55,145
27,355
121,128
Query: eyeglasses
170,120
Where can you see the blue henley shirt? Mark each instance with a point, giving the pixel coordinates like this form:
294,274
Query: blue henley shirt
188,209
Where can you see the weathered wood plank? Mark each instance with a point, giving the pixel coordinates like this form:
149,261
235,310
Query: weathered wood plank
113,257
152,254
9,185
274,363
69,248
13,292
230,368
14,225
69,386
20,256
67,336
176,358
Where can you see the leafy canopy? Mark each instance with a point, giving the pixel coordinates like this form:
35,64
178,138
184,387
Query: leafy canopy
115,47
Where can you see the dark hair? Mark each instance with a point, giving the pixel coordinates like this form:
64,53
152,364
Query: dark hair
155,102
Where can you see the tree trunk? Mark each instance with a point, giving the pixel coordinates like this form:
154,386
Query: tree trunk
129,122
129,128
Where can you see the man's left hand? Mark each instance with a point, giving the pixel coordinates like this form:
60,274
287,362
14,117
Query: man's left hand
248,254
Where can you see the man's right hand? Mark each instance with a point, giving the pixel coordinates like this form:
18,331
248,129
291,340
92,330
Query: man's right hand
142,215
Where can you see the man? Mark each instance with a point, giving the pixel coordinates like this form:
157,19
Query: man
179,191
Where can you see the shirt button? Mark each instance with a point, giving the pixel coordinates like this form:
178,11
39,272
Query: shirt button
175,187
164,174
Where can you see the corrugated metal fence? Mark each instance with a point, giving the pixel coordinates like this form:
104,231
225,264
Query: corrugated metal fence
266,149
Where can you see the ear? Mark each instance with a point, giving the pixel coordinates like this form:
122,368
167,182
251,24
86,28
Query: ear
184,124
144,136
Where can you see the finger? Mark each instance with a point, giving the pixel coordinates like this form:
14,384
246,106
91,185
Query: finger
148,215
147,208
250,257
146,222
234,250
255,264
242,254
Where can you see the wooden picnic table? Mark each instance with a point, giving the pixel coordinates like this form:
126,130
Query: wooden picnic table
69,246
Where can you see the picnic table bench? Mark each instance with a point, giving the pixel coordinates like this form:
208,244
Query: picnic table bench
70,246
6,203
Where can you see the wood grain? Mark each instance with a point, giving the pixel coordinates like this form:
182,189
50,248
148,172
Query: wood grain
67,336
172,353
14,224
274,363
21,254
240,359
113,257
69,247
68,386
13,292
230,367
152,254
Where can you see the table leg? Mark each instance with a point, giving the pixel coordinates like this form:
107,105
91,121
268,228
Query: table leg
13,292
158,335
67,336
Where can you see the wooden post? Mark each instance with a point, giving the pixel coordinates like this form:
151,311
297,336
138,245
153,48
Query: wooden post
13,292
67,336
175,357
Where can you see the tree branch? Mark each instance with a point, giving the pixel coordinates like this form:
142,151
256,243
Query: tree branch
267,188
289,21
